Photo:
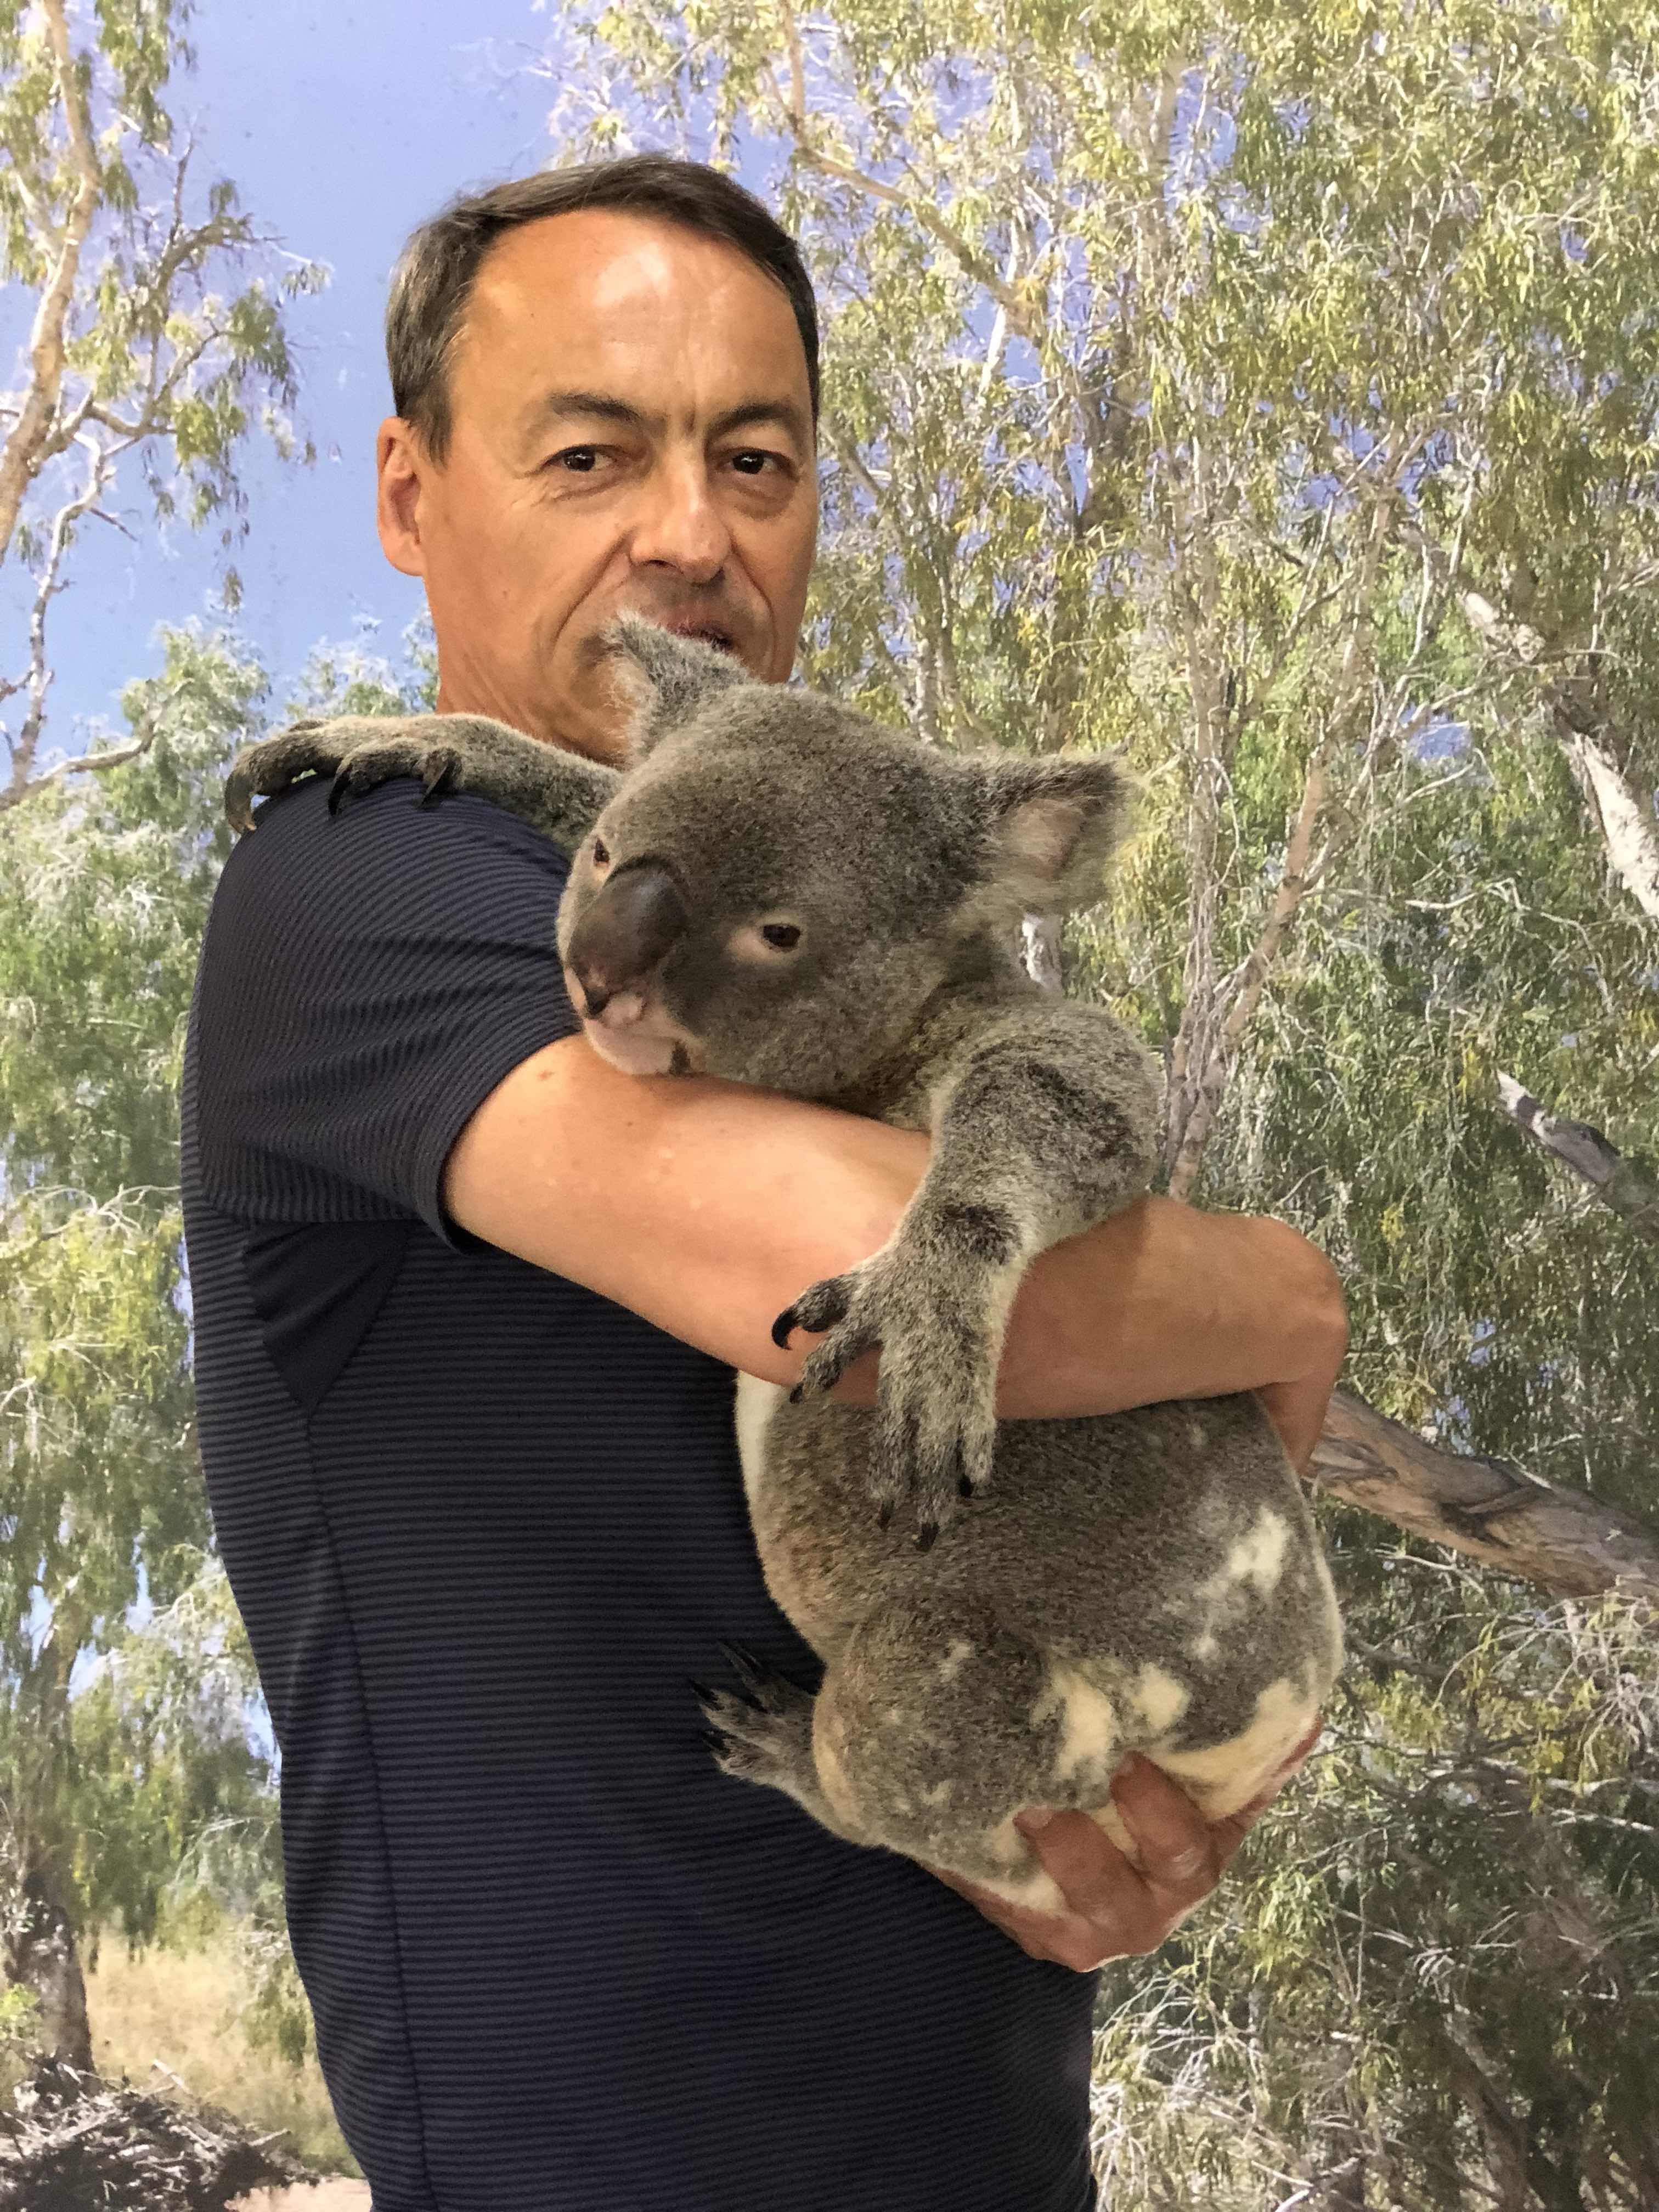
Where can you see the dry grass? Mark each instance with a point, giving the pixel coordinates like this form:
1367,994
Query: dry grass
182,2008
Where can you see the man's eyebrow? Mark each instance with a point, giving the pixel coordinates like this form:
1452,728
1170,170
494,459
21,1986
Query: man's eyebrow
563,406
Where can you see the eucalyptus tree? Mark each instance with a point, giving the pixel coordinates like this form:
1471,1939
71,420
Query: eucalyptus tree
1271,391
156,344
157,337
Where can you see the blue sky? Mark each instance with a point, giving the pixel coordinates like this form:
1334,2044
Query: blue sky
342,127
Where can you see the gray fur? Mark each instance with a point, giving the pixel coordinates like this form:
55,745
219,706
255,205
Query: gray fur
1143,1581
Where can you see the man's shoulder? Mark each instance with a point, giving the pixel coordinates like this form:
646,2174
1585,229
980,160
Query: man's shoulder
299,825
366,980
383,856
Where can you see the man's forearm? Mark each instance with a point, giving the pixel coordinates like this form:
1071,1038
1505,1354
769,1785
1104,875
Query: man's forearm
707,1207
1161,1301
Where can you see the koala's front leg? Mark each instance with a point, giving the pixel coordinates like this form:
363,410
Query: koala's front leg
1044,1122
559,793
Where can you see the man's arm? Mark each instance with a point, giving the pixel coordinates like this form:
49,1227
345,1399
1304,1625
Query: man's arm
707,1208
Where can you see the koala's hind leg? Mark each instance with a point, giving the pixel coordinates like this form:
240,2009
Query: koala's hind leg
764,1733
935,1724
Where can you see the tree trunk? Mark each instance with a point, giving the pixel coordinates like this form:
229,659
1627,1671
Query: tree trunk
43,1958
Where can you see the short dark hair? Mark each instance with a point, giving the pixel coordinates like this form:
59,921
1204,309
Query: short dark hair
433,281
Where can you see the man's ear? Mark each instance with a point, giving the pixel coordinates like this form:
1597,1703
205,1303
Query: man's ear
666,677
1052,825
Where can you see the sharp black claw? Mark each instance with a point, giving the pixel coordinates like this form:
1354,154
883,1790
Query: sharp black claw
751,1672
929,1532
884,1516
705,1695
338,788
798,1393
782,1328
436,781
719,1745
964,1488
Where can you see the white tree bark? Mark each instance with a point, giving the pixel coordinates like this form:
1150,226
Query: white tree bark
37,433
1622,811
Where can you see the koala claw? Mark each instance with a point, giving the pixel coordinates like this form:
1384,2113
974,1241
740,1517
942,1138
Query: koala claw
817,1308
438,773
359,750
765,1734
936,1423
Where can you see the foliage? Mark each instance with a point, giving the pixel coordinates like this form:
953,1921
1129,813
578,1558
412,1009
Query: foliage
350,679
103,897
158,314
158,345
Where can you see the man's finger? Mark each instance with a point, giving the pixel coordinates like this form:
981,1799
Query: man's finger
1175,1843
1093,1876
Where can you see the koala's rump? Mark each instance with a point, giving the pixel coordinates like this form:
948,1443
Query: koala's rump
1163,1558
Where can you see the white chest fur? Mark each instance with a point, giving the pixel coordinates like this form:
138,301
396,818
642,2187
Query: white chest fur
756,1404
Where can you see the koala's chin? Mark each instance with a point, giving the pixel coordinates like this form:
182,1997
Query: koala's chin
639,1051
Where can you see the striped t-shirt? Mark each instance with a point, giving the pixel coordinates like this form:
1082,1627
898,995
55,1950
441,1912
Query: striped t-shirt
487,1530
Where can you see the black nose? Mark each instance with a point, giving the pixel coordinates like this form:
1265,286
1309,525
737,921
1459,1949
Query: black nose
626,933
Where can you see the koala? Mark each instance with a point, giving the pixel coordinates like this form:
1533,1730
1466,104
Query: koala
779,892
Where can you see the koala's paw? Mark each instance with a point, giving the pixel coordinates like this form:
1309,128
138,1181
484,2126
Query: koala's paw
935,1428
764,1734
360,751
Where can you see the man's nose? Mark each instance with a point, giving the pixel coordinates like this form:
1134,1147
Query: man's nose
625,933
680,524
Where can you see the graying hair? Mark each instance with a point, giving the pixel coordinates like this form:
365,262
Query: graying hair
435,272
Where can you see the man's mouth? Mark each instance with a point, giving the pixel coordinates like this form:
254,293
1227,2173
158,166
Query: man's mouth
709,632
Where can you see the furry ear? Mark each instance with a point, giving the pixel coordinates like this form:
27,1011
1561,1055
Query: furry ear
668,678
1053,824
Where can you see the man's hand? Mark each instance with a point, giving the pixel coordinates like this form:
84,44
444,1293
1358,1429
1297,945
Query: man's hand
1118,1910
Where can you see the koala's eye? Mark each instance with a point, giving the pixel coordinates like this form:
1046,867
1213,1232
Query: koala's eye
600,855
783,934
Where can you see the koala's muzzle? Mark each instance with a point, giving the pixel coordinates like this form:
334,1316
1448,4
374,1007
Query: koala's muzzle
626,933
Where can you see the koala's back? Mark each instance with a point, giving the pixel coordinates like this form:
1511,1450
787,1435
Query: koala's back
1153,1577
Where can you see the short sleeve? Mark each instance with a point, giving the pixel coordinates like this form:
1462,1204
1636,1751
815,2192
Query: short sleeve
366,979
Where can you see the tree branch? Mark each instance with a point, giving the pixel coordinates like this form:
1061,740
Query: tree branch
24,448
1630,1186
920,211
1567,1541
40,675
1623,812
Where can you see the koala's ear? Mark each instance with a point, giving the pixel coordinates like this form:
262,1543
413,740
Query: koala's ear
1053,824
667,677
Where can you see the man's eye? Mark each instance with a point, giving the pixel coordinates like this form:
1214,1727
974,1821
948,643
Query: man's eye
578,459
762,458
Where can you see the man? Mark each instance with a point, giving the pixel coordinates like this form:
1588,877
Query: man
466,1302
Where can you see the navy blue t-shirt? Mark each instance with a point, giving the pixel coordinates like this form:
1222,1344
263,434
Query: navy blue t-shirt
486,1529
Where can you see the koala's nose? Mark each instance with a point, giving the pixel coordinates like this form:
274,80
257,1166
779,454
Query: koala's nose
625,933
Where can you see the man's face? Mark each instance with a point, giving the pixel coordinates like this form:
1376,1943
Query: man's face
631,428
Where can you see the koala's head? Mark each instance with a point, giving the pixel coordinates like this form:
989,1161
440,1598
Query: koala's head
779,885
